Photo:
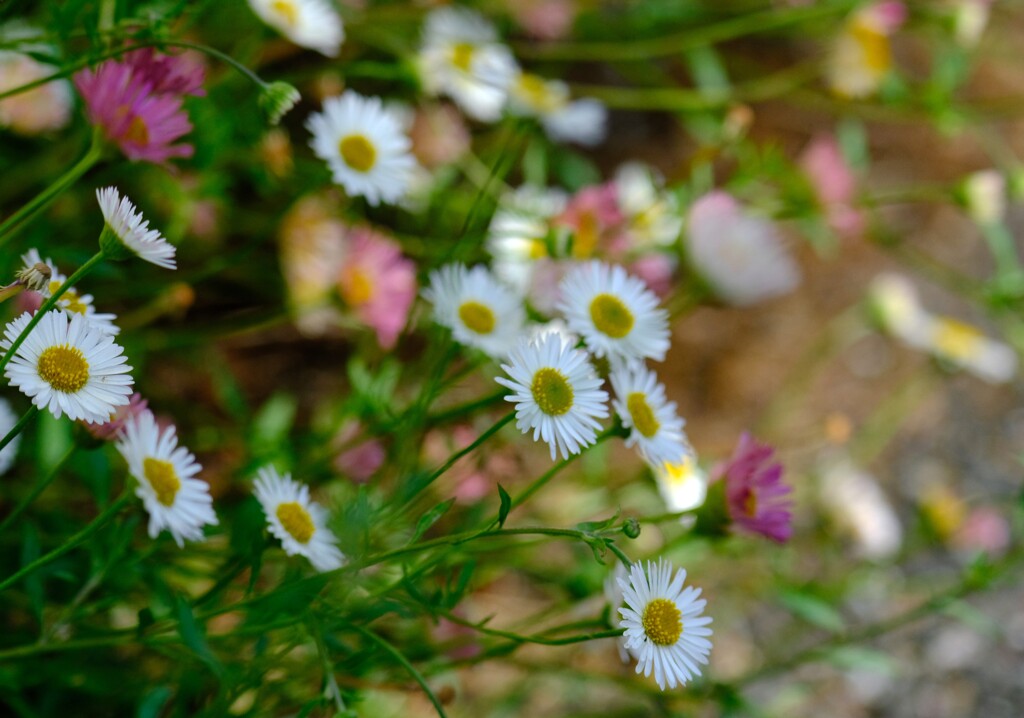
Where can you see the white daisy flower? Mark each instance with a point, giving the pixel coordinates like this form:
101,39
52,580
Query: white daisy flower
683,486
67,366
173,497
556,393
652,214
616,314
519,228
460,57
580,121
71,301
308,23
655,428
613,595
299,522
663,624
967,347
127,234
740,255
7,421
480,310
364,146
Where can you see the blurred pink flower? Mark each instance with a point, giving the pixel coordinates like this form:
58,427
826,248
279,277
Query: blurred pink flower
889,14
834,184
362,461
137,102
545,19
755,494
657,270
43,109
439,135
378,283
595,217
984,529
112,428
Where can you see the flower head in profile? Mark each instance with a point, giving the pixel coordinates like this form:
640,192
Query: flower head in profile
308,23
378,283
460,57
127,234
556,393
137,102
66,366
654,426
861,56
740,255
277,99
40,110
615,313
70,301
480,310
756,497
517,237
364,145
7,421
296,520
564,120
173,497
663,624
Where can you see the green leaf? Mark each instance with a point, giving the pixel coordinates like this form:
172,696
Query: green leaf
506,505
863,658
152,705
194,638
273,421
812,609
430,518
591,526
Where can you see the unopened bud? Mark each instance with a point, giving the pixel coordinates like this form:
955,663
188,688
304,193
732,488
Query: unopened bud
35,277
277,99
631,528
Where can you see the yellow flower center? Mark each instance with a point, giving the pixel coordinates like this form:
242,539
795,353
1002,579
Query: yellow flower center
585,240
611,316
956,339
358,152
750,504
538,250
535,92
296,521
462,55
64,368
287,10
162,477
137,132
679,474
477,317
357,289
874,47
643,417
662,622
552,391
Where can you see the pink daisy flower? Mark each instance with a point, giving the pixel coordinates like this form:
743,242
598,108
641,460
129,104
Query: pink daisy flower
137,103
378,283
755,494
834,184
111,430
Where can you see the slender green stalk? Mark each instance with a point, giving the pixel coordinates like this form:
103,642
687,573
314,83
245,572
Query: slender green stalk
17,429
535,638
95,525
544,478
40,486
397,655
17,221
457,412
49,304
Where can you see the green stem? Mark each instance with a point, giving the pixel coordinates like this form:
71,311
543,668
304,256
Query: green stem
17,221
17,429
539,483
457,412
49,304
397,655
95,525
40,486
538,639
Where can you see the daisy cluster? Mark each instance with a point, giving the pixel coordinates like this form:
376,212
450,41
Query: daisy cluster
366,143
67,362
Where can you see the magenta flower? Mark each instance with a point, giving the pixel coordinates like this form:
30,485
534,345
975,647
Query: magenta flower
137,102
378,283
596,219
755,494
